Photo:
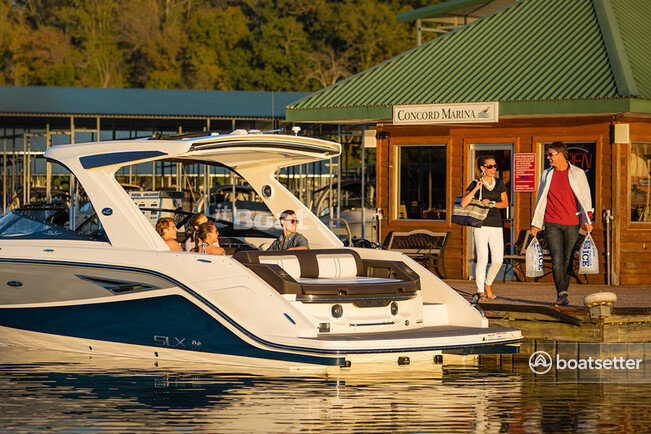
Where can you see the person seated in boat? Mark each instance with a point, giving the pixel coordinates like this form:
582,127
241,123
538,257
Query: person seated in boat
166,228
193,225
205,239
290,239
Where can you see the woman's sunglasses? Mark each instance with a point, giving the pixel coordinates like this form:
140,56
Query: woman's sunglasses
491,166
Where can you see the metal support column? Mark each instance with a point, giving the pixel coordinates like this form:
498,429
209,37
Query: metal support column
339,172
73,181
233,197
25,178
363,188
48,165
206,189
4,172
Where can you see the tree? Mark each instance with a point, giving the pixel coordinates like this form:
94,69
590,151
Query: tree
215,39
282,45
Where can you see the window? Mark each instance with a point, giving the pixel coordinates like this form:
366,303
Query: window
639,179
35,224
421,182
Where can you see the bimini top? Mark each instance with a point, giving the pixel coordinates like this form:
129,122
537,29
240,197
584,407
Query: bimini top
255,157
235,150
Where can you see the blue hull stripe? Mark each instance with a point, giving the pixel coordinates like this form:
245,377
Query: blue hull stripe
170,321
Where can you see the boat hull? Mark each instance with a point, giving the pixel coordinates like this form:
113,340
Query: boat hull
136,312
31,339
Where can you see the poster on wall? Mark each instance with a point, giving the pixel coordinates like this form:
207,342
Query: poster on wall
524,172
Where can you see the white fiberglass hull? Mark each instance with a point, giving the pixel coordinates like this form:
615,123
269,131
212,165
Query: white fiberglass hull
136,311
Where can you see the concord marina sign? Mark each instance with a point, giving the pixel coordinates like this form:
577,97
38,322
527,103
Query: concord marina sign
445,113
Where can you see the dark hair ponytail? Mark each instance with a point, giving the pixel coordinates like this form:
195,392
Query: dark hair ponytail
201,233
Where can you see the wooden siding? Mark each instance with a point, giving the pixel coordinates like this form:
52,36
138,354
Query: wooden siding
632,260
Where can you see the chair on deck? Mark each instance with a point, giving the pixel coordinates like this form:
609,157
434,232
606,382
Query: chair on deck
421,245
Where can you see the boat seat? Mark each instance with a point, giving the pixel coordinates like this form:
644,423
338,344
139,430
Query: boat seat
340,272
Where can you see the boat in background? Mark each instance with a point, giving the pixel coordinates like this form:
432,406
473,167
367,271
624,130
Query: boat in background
352,212
114,288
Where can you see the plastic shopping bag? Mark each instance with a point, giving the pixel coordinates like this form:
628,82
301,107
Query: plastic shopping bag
534,260
588,257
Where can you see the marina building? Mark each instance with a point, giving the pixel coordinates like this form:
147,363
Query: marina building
508,84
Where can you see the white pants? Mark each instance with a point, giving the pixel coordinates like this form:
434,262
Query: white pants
486,237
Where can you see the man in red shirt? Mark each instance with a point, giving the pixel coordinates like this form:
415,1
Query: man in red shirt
564,202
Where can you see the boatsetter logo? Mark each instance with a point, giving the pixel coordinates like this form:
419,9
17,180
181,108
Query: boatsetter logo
541,362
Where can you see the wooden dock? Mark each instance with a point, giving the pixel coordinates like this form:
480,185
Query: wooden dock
625,324
568,331
527,306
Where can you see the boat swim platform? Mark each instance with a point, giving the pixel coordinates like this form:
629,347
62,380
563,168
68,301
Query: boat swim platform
527,306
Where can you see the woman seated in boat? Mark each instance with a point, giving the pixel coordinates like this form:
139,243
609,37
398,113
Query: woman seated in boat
205,239
166,228
193,224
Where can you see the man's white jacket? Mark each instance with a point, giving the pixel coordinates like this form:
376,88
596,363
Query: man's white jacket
580,188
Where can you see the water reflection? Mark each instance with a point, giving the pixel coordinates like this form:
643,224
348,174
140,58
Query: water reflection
51,390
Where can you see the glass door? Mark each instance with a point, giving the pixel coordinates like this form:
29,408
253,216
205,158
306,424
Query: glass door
503,154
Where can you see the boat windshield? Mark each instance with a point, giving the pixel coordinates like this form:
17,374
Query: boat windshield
39,224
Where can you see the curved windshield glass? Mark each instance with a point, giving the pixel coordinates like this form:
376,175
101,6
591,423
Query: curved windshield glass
21,225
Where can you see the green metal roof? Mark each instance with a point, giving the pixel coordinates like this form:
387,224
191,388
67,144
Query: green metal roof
633,19
534,57
145,102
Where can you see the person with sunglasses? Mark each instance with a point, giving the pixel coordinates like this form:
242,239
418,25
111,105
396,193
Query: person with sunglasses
490,235
564,202
290,239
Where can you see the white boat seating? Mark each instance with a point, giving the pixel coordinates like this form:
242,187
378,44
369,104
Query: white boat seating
330,272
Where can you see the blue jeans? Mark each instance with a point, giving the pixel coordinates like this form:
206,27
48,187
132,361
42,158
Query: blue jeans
561,240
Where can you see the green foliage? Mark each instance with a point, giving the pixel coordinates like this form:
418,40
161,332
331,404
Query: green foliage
282,45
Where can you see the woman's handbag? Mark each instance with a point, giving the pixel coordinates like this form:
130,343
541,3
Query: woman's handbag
472,214
588,257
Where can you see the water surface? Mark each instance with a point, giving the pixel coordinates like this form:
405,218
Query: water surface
47,390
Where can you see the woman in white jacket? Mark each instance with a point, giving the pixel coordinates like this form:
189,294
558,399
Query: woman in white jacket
564,202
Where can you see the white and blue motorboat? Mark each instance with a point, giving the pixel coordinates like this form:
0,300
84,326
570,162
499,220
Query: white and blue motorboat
111,286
